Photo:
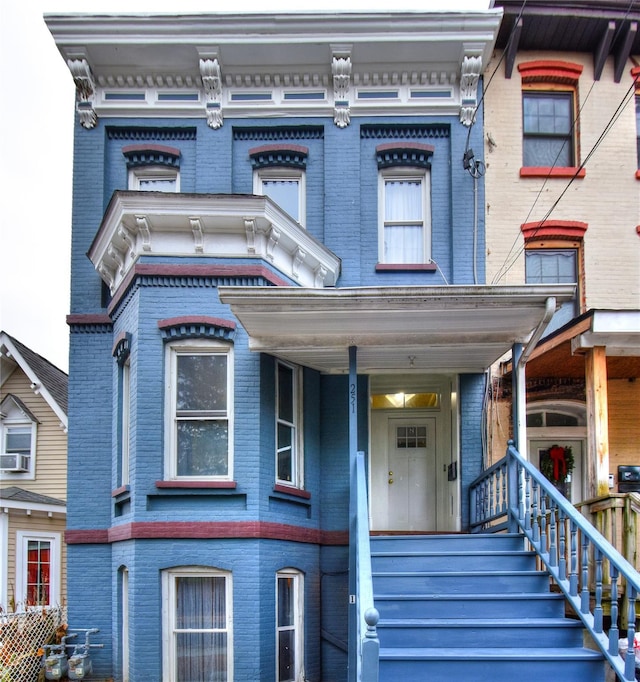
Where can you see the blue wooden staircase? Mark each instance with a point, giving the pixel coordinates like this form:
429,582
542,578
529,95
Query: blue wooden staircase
473,608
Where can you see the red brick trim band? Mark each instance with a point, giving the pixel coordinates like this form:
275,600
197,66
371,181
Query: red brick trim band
211,530
289,490
196,319
406,267
80,319
197,484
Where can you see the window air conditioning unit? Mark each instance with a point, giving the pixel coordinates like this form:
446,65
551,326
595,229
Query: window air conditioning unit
15,463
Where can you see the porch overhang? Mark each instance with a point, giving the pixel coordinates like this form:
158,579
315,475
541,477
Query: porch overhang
427,329
562,354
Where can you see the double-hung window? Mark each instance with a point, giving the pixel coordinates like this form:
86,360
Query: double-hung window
404,233
286,187
198,625
638,127
289,626
289,465
548,129
200,400
550,125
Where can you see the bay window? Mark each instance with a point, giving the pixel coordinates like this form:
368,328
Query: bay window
289,626
289,465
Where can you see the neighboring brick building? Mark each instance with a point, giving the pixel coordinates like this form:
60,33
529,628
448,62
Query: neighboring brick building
563,204
270,205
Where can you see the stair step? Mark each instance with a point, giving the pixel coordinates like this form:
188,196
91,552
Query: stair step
497,665
464,582
500,633
451,561
389,543
490,605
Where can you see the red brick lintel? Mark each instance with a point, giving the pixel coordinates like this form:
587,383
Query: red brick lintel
210,530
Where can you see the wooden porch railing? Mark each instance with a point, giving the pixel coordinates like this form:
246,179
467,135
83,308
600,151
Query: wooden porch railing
616,517
515,496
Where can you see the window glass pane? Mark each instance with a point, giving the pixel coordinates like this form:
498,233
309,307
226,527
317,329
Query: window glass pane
201,657
285,193
200,603
403,244
285,601
18,439
157,184
535,419
286,656
285,393
202,447
202,383
551,266
638,126
558,419
38,572
403,200
546,152
285,453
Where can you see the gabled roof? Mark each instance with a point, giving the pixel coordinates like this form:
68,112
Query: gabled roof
16,494
52,383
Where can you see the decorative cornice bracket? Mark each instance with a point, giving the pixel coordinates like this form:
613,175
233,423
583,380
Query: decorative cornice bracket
469,77
85,91
211,76
341,70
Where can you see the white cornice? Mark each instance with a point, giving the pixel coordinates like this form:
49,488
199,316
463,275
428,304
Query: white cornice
207,225
147,53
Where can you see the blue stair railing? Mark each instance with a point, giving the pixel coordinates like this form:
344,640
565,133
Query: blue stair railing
367,645
512,495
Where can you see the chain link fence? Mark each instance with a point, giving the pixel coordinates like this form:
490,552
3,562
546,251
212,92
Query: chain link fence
22,638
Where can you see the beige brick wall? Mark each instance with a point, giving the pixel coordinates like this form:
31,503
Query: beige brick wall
607,198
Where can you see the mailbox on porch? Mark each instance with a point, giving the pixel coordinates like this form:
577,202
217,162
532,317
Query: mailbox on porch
628,479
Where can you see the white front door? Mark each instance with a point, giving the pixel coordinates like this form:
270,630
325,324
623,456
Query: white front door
404,472
411,491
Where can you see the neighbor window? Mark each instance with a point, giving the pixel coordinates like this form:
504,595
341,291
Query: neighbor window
548,129
200,401
37,569
404,236
554,266
550,118
638,127
289,619
197,618
18,433
288,436
285,186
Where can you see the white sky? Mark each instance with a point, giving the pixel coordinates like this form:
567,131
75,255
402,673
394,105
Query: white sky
36,147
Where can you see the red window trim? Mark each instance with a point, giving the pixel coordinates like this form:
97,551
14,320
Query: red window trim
558,229
550,71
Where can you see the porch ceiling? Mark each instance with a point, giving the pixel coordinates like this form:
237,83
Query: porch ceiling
454,329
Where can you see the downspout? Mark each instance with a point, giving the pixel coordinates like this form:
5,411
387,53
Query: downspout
519,377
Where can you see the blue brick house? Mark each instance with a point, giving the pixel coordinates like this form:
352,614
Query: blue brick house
277,262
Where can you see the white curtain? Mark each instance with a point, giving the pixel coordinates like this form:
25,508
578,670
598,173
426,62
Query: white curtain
201,622
403,231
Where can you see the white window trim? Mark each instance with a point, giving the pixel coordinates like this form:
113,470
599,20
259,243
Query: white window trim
194,346
16,418
22,540
405,174
169,610
124,641
297,441
284,173
153,172
298,582
125,421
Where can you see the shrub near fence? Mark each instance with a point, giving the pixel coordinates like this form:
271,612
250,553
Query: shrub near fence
22,637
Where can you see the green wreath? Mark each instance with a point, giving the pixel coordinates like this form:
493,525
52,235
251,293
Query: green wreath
557,463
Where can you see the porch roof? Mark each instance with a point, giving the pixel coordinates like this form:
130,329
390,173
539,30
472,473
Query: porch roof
456,329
